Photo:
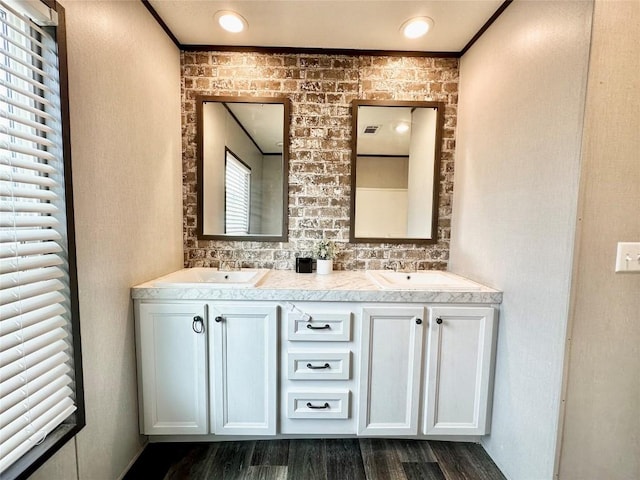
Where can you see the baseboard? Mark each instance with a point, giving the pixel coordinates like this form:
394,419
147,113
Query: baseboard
134,459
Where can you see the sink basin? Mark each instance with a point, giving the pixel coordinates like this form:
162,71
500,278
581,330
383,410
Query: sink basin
212,277
422,280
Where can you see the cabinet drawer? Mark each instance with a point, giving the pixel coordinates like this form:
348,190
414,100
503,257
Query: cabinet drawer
323,327
319,365
325,404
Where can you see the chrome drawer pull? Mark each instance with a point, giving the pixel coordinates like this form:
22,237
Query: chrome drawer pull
326,405
318,367
325,327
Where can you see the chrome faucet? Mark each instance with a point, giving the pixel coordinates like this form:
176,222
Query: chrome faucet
229,267
404,267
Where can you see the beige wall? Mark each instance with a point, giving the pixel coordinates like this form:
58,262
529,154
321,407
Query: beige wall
522,90
602,420
124,81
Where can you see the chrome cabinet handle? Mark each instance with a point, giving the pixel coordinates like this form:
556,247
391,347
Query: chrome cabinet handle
439,321
198,324
318,367
310,405
218,319
325,327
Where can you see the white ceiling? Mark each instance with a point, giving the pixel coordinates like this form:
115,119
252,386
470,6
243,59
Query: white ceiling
385,141
264,122
328,24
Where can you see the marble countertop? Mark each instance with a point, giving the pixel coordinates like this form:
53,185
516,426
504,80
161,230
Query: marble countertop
339,286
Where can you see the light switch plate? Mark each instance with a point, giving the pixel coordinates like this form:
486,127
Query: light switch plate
628,257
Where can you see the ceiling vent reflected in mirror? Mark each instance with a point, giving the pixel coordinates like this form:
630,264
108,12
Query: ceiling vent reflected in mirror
394,175
371,129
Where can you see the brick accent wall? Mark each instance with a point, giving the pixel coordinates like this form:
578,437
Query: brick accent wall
321,88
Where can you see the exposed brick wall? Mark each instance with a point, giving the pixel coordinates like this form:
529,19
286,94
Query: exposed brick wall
321,88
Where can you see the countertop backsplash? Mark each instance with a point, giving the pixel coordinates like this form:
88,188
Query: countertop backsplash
321,88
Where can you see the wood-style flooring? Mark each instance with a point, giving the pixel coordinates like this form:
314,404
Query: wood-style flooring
321,459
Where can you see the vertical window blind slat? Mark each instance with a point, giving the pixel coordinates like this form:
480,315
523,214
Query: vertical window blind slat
9,190
28,347
8,435
237,195
25,121
15,249
30,318
27,164
27,178
16,264
25,106
42,427
24,63
28,235
25,17
22,91
20,394
36,431
19,76
22,336
17,381
25,50
15,368
26,136
28,207
29,304
9,280
28,221
33,396
23,292
14,147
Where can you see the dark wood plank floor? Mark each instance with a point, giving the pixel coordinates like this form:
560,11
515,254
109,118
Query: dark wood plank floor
330,459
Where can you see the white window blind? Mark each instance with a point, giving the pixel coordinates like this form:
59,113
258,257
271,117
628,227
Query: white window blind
237,183
36,386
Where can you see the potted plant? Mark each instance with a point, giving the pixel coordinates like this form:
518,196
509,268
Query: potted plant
324,252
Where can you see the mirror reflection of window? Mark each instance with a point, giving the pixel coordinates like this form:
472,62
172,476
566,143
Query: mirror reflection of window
255,131
237,188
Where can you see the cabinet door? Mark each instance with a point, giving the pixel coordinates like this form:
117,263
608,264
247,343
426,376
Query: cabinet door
390,367
172,361
460,370
243,360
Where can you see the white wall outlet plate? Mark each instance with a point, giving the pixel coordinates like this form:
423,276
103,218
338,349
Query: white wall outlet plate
628,257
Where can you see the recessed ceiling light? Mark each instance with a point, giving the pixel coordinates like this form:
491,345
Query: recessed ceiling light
402,127
231,21
416,27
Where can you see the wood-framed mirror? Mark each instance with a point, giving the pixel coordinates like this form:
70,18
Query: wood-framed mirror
242,168
395,171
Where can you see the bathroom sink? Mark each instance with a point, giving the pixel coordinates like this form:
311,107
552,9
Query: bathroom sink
422,280
212,277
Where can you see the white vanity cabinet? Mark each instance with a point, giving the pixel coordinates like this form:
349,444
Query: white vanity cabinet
317,381
207,368
458,344
459,370
391,359
358,364
172,368
243,357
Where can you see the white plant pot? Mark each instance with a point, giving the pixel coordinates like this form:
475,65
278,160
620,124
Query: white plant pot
324,267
